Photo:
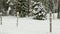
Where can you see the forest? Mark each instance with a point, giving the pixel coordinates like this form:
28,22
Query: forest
37,8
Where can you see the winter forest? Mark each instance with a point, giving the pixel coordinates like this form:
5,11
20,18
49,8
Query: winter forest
29,16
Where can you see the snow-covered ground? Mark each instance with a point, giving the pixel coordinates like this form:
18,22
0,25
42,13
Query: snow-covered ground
28,26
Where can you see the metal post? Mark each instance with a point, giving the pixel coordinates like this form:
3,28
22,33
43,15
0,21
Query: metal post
0,18
50,21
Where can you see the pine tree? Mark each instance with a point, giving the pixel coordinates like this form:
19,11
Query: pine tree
23,8
39,10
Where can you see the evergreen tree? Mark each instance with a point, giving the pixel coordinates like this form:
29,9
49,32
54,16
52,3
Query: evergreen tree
39,10
23,8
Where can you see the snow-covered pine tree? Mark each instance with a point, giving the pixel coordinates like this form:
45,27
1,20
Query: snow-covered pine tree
39,11
23,8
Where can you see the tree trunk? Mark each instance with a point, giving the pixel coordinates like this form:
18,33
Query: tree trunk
58,9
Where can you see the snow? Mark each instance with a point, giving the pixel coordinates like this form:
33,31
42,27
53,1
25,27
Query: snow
28,26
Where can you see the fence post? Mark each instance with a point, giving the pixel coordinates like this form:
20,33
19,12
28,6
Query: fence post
17,18
50,21
0,18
